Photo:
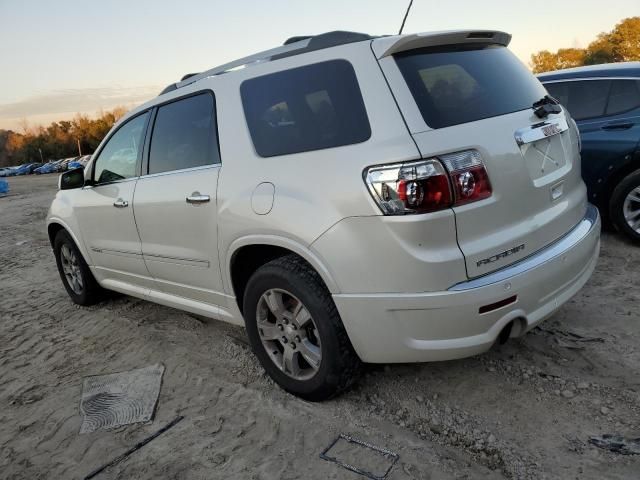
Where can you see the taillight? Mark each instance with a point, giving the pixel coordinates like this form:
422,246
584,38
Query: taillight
468,176
426,186
415,187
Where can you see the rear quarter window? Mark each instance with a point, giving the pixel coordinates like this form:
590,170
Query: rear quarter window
460,84
307,108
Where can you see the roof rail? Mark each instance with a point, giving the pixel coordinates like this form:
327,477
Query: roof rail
293,46
256,57
296,39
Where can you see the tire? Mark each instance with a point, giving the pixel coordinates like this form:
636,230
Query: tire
625,200
87,291
292,284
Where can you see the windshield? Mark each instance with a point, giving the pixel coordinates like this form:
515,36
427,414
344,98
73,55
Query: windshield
462,83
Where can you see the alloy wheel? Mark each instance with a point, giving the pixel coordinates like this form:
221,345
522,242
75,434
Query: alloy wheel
71,269
289,334
631,209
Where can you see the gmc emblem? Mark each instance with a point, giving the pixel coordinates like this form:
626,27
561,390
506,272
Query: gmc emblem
551,129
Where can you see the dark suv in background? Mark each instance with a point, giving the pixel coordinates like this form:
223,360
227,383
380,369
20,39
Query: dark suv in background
604,100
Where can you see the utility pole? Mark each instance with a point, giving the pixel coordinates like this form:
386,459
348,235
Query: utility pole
41,157
79,149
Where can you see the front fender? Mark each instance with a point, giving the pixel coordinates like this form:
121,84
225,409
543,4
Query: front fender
61,213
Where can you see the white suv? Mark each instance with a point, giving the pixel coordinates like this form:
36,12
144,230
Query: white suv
347,198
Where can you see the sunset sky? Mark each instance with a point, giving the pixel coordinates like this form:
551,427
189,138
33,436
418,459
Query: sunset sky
67,56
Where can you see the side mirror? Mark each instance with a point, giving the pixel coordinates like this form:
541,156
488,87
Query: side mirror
71,179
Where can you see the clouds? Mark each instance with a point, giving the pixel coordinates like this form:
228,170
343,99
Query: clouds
62,104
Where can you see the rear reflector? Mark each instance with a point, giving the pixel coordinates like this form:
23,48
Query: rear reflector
494,306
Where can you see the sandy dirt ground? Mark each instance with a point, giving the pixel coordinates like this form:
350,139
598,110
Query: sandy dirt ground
523,410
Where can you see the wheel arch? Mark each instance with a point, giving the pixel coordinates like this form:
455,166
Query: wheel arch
55,225
615,178
247,254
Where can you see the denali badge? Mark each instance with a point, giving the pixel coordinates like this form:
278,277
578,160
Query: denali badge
500,255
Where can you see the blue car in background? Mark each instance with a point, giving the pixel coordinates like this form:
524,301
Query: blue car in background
27,168
50,167
9,171
604,100
22,169
73,165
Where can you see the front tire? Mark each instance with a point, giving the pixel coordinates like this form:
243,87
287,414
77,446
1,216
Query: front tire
74,272
624,207
296,332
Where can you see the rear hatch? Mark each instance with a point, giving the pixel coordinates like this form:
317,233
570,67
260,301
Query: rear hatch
478,97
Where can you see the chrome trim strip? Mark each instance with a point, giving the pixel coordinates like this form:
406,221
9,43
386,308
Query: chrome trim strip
539,131
556,249
122,253
182,170
192,262
580,79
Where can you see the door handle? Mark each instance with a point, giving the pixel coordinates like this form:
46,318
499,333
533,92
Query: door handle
617,126
196,198
120,203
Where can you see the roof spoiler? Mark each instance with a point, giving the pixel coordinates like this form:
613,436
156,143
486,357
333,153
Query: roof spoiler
385,46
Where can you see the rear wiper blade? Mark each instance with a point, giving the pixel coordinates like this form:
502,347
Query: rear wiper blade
546,106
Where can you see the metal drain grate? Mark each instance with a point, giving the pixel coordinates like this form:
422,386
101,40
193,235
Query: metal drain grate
360,457
117,399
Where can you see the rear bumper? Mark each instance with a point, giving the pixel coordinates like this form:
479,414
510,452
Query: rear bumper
419,327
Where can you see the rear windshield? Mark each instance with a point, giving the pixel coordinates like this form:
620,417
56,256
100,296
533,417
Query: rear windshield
460,84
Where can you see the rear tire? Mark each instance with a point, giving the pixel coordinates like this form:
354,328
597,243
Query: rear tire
74,272
306,329
624,207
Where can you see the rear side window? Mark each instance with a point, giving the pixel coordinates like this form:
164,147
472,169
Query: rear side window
184,135
308,108
459,84
624,96
118,158
584,99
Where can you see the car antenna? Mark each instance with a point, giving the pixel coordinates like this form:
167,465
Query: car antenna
406,14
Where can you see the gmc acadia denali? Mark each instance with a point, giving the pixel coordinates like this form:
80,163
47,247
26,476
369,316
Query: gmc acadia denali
347,198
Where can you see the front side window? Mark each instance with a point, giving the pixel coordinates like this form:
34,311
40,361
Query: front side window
464,83
307,108
119,157
184,135
583,98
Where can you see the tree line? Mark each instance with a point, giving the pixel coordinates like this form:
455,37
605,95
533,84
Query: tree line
622,44
58,140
